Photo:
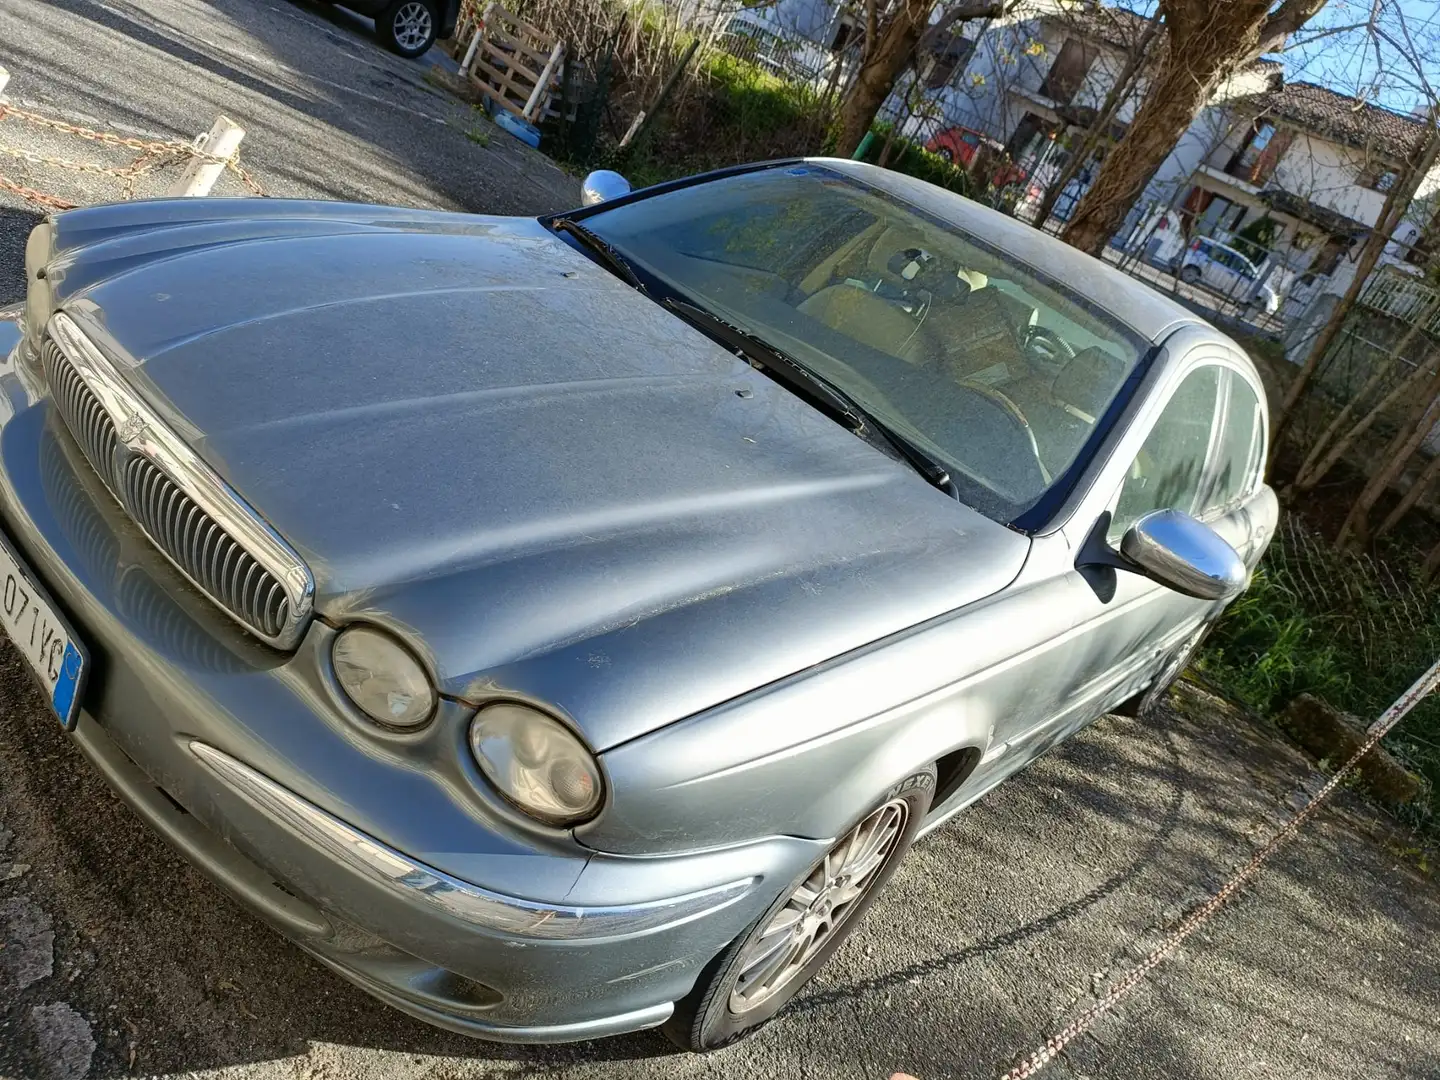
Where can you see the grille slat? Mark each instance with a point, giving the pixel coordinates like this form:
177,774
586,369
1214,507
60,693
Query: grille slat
201,546
82,412
204,550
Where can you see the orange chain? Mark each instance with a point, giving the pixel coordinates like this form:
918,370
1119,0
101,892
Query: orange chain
1200,914
153,152
38,197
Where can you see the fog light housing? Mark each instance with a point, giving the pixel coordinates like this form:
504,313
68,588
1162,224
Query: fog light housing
382,678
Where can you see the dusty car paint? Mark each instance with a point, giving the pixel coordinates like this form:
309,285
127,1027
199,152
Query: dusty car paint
556,493
775,541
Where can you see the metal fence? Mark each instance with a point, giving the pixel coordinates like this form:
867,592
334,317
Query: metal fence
1403,297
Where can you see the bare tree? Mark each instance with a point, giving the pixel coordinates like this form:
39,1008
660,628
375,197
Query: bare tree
1206,42
893,31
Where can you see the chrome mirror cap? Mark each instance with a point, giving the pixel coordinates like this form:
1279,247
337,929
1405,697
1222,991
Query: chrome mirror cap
1179,552
602,185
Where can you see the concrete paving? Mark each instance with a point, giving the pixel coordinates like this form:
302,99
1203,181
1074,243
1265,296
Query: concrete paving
119,960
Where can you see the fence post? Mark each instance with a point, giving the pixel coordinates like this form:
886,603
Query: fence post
475,40
542,86
200,175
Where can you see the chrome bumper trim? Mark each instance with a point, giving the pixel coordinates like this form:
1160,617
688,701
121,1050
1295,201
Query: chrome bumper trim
426,885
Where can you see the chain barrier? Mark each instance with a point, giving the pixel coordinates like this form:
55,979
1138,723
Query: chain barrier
153,154
1201,913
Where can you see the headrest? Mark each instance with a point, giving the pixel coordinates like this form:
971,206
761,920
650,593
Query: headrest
1089,381
918,268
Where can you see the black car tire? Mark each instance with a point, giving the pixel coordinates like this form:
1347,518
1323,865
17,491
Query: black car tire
1171,669
1190,275
704,1020
394,25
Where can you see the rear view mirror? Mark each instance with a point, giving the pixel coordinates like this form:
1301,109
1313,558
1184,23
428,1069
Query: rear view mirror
1180,553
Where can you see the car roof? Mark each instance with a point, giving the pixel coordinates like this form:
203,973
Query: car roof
1233,250
1134,303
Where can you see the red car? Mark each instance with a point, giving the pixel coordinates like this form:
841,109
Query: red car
959,145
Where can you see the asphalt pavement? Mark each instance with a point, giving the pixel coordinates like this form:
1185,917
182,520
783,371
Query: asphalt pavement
119,960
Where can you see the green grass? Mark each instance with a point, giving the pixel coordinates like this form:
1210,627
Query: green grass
1343,628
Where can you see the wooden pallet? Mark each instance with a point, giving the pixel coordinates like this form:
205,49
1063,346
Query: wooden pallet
514,64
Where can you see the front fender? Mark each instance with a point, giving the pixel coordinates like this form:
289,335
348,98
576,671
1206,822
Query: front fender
805,756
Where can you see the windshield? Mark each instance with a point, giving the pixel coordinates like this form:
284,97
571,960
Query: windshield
994,370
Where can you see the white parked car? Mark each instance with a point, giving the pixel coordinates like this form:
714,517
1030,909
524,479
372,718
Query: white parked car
1227,271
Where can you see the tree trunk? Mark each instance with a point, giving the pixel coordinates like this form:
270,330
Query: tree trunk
1207,40
1411,497
1099,132
883,61
1396,203
1330,447
1355,533
1175,97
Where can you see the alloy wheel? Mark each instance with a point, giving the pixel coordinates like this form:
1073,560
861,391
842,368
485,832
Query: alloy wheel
412,26
818,907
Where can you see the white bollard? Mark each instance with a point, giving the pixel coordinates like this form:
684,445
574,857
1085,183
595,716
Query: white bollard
200,175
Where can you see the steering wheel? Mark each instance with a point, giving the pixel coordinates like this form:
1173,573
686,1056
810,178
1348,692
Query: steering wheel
1047,349
1010,409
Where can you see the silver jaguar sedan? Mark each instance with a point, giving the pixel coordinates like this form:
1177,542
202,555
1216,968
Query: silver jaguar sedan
563,627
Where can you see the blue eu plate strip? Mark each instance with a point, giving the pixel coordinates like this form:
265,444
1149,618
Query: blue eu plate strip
64,696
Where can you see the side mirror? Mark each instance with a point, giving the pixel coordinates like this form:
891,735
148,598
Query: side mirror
1179,552
602,185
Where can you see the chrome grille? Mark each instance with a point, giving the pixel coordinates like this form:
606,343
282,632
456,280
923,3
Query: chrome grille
81,409
188,512
213,558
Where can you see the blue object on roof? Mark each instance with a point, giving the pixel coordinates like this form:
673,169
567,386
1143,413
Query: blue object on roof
526,133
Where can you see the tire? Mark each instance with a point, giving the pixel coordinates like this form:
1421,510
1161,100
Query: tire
947,154
1170,671
708,1018
408,27
1190,275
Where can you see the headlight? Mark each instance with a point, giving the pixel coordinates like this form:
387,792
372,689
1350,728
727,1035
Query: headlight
536,763
382,678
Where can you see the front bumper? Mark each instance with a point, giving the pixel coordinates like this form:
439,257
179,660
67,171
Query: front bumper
378,855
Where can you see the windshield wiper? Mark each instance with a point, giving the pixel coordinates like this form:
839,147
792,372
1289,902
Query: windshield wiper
616,263
785,368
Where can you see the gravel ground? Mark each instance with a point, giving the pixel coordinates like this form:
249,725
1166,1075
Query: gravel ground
118,960
327,113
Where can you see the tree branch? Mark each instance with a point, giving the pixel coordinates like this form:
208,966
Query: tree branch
1289,17
972,9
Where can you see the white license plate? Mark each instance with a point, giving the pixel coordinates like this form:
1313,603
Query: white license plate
42,637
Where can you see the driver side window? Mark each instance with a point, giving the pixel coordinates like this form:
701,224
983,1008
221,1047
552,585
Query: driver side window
1168,472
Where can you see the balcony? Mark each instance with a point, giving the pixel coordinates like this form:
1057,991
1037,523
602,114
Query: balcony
1236,179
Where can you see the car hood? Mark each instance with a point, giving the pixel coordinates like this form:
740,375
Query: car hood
550,486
